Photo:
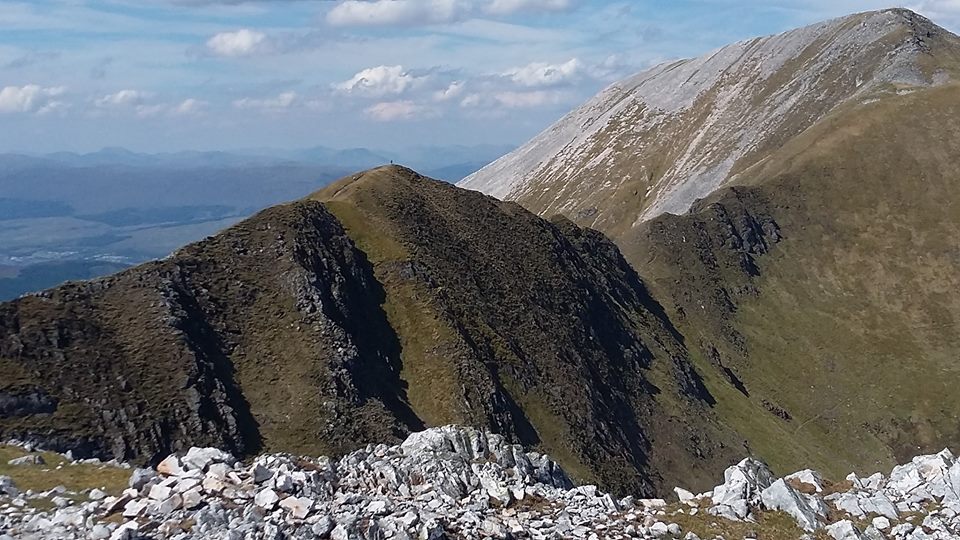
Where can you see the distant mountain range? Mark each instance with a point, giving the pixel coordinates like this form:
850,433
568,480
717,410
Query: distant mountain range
76,216
450,163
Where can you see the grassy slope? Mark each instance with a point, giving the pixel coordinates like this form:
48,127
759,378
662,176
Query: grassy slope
853,324
478,301
56,471
429,339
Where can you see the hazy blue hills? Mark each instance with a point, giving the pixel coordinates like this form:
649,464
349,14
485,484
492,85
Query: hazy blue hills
68,215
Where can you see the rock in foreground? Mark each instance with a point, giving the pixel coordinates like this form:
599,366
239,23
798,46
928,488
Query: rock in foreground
455,482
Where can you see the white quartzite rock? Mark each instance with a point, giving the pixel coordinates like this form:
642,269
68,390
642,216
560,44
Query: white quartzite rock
808,511
170,466
844,530
742,484
266,499
201,458
458,482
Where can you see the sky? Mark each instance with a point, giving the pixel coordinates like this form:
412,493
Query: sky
168,75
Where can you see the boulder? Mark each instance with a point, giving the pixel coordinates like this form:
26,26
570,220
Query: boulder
878,503
201,458
297,507
134,508
141,477
685,497
741,488
261,474
781,496
844,530
807,477
32,459
160,492
881,523
170,505
7,487
127,531
266,499
170,466
192,498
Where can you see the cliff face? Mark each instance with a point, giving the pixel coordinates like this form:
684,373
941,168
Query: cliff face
381,305
220,343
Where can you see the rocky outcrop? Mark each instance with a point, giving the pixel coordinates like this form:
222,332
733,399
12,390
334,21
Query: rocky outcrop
919,499
456,482
152,360
439,483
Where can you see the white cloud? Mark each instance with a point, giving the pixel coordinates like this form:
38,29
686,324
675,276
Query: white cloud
243,42
380,81
507,7
941,11
188,106
53,107
31,98
398,12
543,74
150,111
281,102
454,90
523,100
123,98
389,111
512,100
421,12
613,67
137,101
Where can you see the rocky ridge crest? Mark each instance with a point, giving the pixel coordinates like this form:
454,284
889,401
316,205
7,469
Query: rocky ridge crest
456,482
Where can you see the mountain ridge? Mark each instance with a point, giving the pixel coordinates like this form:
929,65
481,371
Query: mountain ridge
659,140
382,304
821,268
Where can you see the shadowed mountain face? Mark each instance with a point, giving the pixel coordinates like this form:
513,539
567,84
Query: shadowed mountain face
816,281
380,305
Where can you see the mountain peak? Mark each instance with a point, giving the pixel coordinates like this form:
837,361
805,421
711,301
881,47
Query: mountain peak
382,177
657,141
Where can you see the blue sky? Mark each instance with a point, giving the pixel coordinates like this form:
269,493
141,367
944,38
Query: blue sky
162,75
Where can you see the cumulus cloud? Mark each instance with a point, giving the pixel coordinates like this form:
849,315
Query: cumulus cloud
123,98
512,99
243,42
422,12
397,12
454,90
389,111
543,74
507,7
523,100
188,106
138,102
284,101
380,81
31,98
